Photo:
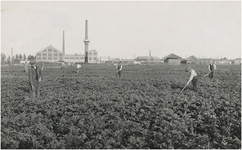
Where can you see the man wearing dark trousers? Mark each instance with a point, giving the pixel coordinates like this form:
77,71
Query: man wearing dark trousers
35,75
63,68
119,67
212,68
193,78
26,66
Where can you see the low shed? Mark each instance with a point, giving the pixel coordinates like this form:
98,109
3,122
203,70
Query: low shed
172,59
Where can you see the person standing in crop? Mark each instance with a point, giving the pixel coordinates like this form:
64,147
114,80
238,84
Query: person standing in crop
193,78
35,75
26,66
119,67
63,66
78,68
42,66
212,68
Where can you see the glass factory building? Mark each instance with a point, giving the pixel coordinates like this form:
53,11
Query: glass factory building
93,56
71,59
51,54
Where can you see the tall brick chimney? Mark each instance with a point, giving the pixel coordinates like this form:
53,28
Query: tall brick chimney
86,41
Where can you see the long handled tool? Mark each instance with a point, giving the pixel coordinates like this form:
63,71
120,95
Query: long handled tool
207,74
183,89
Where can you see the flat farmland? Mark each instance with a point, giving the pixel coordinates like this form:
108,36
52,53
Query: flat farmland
144,109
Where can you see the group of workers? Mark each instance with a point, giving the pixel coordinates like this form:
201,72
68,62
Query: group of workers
35,75
63,65
193,76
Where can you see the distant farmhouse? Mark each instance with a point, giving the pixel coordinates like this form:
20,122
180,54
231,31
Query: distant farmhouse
237,61
192,60
172,59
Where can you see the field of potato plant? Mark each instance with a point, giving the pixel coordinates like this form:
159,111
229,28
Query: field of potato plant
144,109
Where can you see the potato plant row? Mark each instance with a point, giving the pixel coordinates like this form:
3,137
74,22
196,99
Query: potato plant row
144,109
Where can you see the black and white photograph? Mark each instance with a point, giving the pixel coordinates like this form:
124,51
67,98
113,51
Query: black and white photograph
120,74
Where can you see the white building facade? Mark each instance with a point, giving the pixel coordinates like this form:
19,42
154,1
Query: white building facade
49,54
52,54
93,56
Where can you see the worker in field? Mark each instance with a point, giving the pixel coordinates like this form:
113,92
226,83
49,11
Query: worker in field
78,67
42,66
26,66
119,67
35,75
193,78
212,68
63,68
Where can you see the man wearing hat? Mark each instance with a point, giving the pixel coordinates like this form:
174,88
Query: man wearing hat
212,68
63,68
35,75
119,67
78,67
26,66
193,78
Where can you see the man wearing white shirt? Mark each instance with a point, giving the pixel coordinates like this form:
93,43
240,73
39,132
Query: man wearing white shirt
119,67
78,67
193,78
212,67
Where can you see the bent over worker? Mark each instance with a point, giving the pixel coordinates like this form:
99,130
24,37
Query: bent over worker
193,78
119,67
35,75
212,68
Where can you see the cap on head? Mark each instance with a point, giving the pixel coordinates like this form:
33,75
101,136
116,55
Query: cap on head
188,69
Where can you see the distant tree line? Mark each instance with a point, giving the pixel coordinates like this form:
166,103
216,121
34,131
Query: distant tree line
15,59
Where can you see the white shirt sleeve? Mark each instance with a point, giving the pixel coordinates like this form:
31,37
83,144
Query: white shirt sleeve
215,67
121,67
193,74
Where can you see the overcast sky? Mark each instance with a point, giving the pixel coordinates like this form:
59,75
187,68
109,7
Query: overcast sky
124,29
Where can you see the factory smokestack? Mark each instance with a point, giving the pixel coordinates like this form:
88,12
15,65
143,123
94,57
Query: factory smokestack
86,41
63,44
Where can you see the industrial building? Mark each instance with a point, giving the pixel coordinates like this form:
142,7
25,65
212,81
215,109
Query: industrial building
148,58
52,54
92,56
49,54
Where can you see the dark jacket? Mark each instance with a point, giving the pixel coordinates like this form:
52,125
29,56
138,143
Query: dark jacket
34,74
